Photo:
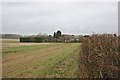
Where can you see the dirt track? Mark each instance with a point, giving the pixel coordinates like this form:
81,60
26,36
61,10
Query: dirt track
36,56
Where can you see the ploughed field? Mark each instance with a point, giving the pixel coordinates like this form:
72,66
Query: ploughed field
39,60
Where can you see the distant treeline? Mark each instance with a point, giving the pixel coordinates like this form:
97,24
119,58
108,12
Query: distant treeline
10,36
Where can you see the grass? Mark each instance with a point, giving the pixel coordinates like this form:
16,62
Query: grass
9,50
9,41
44,60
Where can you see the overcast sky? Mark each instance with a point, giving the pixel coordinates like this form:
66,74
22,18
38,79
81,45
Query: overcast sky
69,17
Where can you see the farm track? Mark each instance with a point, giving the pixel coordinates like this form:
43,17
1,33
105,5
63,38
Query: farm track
25,55
23,59
27,63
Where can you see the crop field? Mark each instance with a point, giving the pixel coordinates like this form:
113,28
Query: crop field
40,60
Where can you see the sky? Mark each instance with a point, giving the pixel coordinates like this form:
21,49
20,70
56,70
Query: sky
70,17
60,0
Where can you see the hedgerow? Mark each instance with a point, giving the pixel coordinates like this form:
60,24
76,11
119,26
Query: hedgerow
99,56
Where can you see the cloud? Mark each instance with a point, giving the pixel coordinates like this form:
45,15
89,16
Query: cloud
47,17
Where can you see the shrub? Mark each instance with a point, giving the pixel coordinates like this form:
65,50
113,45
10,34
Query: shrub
99,56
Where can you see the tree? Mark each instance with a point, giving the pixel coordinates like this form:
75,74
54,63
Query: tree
54,35
58,33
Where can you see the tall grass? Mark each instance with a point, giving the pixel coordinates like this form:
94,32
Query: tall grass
99,56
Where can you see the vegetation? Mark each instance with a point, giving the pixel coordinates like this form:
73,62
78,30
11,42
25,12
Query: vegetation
99,57
10,36
28,39
41,60
96,57
58,34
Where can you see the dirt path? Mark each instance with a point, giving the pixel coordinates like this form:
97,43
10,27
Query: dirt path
21,63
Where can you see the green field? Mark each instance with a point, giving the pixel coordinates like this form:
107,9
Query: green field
39,60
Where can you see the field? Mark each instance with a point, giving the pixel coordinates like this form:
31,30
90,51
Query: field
96,57
41,60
